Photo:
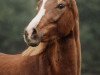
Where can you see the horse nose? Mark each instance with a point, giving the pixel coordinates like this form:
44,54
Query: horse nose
30,34
31,38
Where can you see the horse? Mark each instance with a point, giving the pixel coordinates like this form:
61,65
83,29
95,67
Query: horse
53,38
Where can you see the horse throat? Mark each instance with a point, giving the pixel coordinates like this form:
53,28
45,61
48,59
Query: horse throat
60,56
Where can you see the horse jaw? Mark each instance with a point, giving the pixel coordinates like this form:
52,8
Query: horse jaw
32,51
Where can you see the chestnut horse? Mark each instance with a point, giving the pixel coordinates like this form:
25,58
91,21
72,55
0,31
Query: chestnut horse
54,43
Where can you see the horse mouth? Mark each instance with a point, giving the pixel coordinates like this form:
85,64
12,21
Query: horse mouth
36,39
33,44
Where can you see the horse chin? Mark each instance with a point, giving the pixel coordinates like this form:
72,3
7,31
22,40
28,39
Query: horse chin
33,43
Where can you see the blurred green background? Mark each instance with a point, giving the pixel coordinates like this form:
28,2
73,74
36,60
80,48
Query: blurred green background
16,14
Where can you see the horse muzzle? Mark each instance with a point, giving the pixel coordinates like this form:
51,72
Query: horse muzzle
32,39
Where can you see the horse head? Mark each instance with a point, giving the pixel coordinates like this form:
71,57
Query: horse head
55,19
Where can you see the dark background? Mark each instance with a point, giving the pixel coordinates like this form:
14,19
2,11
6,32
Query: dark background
16,14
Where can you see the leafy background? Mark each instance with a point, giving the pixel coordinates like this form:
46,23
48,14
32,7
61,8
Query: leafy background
16,14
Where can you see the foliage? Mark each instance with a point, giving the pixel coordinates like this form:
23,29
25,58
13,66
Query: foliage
90,35
16,14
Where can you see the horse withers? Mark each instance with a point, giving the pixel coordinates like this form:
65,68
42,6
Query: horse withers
54,43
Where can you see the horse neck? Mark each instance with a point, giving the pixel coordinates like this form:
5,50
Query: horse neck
63,53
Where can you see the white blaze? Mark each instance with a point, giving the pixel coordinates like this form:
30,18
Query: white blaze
36,20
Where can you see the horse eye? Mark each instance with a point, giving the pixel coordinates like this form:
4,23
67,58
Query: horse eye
60,6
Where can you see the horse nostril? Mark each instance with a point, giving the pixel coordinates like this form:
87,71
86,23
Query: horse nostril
34,31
